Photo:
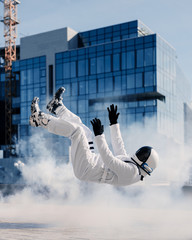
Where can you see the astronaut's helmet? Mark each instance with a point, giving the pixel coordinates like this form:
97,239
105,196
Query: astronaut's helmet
146,158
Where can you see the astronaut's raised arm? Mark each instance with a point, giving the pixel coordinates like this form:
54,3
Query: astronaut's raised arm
117,141
113,163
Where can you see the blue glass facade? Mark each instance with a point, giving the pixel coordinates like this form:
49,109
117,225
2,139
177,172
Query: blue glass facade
114,33
123,72
32,83
124,64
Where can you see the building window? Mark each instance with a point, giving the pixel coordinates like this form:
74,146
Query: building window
139,80
124,82
100,64
81,106
36,75
36,91
130,59
140,58
93,65
43,72
101,86
59,71
30,94
92,86
23,77
123,61
73,70
117,83
66,70
149,79
130,81
67,90
74,106
43,90
149,58
108,63
74,89
30,76
116,62
82,88
24,96
132,105
81,68
108,84
23,112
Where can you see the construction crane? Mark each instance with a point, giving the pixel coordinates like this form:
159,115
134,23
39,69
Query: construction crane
10,26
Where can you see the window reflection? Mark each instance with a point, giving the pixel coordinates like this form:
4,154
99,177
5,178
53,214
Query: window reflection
23,77
92,86
130,81
82,88
43,72
139,80
140,58
36,75
116,62
93,65
74,106
123,60
108,63
100,64
73,69
109,84
66,70
149,79
67,89
81,68
130,59
74,89
59,71
23,96
101,85
29,94
149,58
81,106
117,83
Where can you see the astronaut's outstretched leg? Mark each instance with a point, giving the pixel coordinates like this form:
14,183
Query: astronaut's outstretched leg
52,124
83,160
56,107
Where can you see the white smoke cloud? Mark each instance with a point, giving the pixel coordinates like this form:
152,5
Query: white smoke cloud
156,206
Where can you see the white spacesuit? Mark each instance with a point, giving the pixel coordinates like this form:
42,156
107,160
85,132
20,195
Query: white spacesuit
116,169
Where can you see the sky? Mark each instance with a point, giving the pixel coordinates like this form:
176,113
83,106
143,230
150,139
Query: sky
171,19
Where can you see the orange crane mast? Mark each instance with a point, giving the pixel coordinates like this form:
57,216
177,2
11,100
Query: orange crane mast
10,33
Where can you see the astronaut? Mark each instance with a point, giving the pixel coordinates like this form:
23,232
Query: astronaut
117,169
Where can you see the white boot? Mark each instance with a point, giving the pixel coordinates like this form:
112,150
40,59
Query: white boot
56,104
37,117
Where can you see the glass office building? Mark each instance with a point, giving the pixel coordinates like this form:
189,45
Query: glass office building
125,64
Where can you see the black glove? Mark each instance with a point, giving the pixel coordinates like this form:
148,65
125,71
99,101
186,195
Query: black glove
97,127
113,115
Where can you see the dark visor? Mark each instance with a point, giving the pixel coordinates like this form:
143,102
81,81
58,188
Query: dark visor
143,153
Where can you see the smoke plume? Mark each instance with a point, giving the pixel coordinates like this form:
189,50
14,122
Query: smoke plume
157,208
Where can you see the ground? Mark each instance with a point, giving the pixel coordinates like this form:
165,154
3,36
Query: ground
58,221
